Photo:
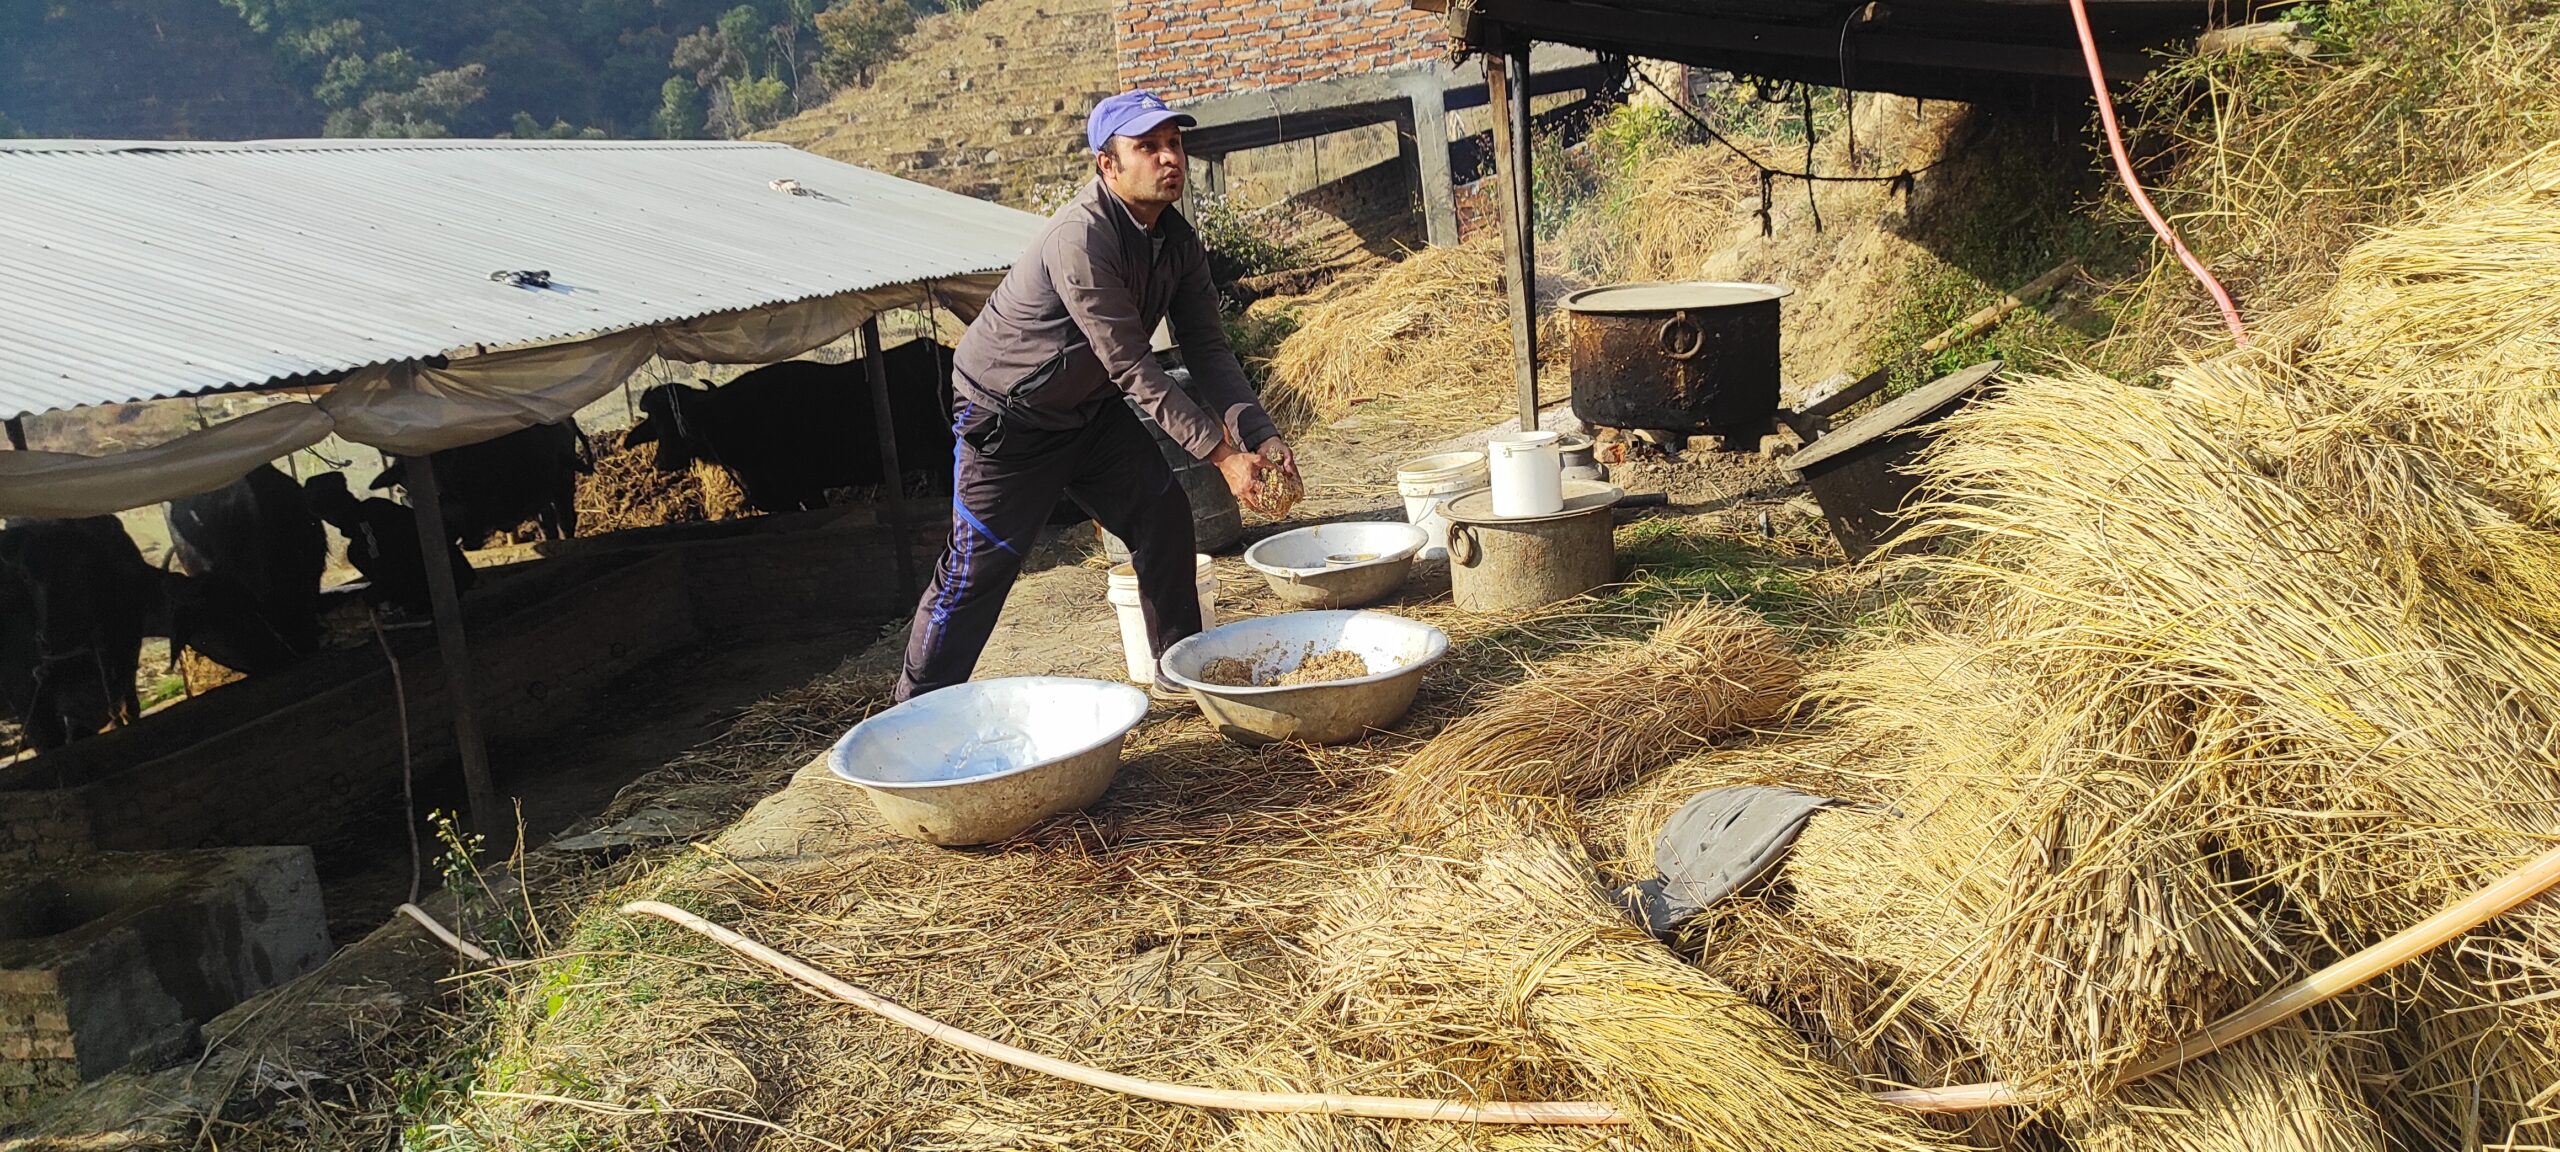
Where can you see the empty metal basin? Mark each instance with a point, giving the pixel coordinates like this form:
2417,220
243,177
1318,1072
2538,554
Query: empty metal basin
1341,565
978,762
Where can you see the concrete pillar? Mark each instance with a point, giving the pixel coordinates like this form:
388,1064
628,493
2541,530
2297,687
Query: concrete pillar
1427,95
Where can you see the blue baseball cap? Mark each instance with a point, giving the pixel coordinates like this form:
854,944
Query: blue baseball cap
1132,113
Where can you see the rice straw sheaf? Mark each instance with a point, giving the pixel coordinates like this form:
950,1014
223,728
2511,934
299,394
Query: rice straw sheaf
1582,724
2216,682
2288,1090
1507,944
1432,328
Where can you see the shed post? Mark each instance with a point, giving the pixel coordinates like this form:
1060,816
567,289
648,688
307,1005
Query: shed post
1506,85
18,433
427,501
875,359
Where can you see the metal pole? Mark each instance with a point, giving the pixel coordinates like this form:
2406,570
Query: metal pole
1506,86
433,544
875,361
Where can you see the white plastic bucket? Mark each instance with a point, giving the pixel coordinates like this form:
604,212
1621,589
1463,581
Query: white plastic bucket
1432,482
1528,474
1123,594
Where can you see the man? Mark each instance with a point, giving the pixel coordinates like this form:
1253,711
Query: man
1037,409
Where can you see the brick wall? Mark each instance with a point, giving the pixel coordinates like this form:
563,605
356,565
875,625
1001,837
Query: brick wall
37,1058
42,826
1186,49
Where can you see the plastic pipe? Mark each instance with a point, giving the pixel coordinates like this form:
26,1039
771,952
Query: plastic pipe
1323,1103
2133,185
2285,1003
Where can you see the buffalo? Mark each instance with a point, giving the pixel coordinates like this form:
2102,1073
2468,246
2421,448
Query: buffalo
382,544
255,542
76,600
788,432
494,485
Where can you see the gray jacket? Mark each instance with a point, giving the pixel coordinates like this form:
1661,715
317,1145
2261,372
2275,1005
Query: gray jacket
1070,326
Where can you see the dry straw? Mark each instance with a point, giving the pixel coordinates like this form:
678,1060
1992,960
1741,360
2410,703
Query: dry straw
2214,684
1582,724
1432,330
1508,945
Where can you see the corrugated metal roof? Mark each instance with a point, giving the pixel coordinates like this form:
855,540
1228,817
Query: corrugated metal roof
140,270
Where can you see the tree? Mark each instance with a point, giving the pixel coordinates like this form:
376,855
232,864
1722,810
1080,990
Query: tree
860,35
679,110
525,127
424,109
758,102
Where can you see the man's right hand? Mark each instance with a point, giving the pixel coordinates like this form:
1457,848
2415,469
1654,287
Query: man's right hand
1242,471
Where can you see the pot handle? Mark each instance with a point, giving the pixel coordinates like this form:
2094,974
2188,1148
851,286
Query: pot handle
1464,549
1681,338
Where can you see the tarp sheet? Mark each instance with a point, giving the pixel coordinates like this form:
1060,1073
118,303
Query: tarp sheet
411,409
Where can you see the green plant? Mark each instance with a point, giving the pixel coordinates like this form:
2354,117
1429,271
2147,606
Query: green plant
858,36
1244,241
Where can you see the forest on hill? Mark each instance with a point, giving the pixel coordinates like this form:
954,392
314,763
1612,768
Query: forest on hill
212,69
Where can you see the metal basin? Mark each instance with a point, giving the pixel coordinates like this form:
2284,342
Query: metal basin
978,762
1341,565
1861,472
1399,650
1687,356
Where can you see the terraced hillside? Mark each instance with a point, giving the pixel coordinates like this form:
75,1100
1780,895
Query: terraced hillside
990,102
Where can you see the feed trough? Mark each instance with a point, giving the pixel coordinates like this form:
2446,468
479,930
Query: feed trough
1398,651
1338,565
978,762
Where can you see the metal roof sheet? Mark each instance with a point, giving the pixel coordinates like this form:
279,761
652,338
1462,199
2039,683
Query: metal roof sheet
141,270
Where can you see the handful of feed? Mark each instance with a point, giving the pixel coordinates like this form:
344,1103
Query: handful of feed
1278,492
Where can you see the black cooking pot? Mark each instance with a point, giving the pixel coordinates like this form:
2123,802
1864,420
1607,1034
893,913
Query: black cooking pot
1689,356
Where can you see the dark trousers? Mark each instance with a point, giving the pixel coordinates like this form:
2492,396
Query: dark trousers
1005,482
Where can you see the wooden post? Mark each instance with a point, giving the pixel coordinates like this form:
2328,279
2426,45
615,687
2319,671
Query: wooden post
434,543
875,360
1506,85
18,433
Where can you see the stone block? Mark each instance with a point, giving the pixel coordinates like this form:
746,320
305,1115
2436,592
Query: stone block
119,958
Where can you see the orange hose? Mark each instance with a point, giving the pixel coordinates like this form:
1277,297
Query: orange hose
2133,186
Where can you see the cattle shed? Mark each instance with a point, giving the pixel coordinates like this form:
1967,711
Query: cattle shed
414,296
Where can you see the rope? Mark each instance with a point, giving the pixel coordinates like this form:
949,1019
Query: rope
2133,185
1769,173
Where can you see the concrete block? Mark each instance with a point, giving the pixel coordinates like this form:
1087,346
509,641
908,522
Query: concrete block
121,957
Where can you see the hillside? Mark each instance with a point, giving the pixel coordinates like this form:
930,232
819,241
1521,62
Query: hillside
990,102
143,70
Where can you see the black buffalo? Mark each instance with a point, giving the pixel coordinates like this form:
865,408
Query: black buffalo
255,542
494,485
382,544
789,432
75,598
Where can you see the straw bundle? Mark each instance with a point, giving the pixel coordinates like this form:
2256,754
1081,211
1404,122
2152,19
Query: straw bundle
2221,681
627,490
1432,328
1516,950
1584,724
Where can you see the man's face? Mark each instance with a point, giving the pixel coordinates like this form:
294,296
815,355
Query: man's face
1146,169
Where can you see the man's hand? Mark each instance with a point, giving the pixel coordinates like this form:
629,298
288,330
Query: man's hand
1241,470
1277,452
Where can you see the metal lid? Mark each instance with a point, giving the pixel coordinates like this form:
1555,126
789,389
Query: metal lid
1671,296
1914,407
1581,498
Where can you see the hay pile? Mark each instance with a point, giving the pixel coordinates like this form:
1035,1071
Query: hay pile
626,490
1431,331
2215,684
